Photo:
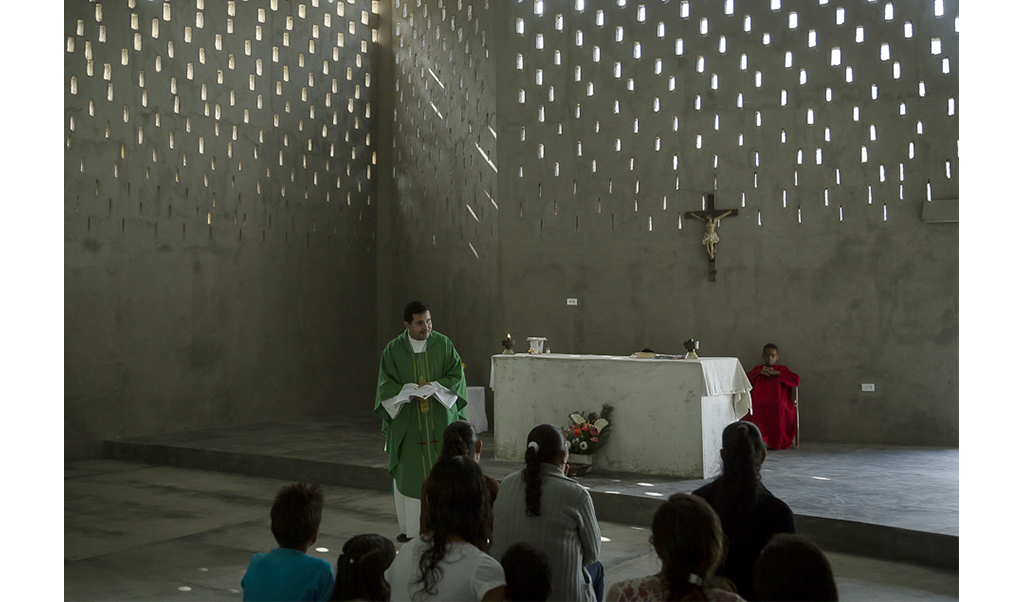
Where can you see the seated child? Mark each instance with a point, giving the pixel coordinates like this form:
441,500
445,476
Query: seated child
287,573
361,566
527,573
773,400
792,568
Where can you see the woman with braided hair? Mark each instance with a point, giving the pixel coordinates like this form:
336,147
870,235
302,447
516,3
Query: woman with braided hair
361,566
687,537
540,506
750,514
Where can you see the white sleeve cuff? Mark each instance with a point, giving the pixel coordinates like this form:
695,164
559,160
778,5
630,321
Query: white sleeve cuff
394,405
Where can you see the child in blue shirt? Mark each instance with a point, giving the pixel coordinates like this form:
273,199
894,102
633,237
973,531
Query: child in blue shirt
287,573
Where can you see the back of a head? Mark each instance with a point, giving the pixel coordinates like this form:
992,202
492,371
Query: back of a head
742,446
544,445
687,537
361,566
527,573
296,514
793,568
742,449
457,505
412,308
459,440
457,500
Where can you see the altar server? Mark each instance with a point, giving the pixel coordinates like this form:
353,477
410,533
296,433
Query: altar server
773,400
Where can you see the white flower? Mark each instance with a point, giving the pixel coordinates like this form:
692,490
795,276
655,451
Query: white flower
600,423
577,418
583,446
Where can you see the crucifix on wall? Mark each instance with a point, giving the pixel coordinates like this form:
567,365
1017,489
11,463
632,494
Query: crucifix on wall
711,217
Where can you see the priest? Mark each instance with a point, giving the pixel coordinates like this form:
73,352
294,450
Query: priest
420,391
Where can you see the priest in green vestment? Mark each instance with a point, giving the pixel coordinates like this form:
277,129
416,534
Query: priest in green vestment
420,391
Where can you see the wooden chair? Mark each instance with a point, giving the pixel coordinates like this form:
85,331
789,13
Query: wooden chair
796,404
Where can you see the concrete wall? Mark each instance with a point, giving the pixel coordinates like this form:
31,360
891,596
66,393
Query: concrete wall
439,229
219,253
239,269
593,191
828,258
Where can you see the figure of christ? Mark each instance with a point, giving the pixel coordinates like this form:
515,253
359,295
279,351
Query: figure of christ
711,218
421,389
773,400
710,235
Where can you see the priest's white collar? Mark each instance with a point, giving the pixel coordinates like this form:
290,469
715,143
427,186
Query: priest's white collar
417,346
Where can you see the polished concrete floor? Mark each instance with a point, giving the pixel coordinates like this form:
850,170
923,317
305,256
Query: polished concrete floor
137,531
887,502
903,487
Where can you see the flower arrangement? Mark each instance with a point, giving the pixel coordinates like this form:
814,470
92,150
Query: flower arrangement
588,433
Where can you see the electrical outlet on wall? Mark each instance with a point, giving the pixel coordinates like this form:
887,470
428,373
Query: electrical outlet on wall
867,387
571,301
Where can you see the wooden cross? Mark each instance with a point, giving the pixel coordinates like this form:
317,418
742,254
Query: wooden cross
711,216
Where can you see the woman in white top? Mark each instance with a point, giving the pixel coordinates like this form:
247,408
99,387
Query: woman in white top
449,560
542,507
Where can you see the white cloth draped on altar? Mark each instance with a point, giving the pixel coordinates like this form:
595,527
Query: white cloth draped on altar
669,413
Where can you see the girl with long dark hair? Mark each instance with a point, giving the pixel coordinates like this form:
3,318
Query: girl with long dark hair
459,439
449,560
540,506
687,537
750,514
361,566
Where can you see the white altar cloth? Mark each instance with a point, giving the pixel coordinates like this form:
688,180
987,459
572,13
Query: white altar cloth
476,412
669,414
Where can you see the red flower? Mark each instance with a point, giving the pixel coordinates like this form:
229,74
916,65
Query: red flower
593,430
594,439
577,432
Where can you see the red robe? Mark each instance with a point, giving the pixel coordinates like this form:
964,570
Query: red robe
773,402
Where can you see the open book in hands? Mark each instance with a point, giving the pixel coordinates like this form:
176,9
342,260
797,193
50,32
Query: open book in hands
413,391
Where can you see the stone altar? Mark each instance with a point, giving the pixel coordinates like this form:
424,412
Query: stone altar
669,413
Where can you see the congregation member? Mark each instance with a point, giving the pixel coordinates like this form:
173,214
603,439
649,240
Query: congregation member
687,537
773,400
460,440
421,389
361,566
750,514
540,506
527,574
793,568
287,573
449,561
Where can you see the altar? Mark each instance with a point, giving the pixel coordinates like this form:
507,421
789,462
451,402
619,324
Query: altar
668,418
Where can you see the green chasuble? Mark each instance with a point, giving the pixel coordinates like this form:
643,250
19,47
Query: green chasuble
413,438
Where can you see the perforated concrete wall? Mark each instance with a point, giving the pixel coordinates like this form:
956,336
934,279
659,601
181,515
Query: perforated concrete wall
494,159
440,234
827,126
825,110
219,211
